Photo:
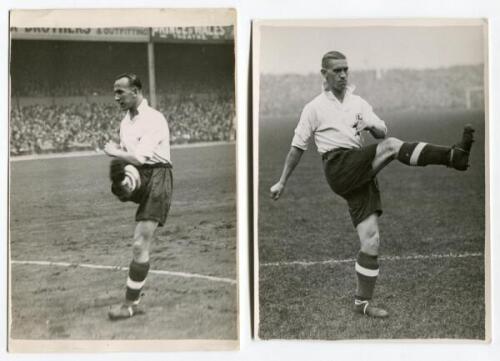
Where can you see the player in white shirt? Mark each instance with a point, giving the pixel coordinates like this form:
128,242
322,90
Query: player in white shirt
145,147
335,119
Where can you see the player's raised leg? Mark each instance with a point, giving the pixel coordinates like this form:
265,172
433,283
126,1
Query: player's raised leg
138,270
367,267
422,154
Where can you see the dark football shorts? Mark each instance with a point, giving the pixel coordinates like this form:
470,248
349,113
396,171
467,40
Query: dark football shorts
350,175
155,194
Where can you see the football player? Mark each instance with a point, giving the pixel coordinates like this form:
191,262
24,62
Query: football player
335,120
141,172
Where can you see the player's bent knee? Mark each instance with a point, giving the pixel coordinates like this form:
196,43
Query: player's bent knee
138,248
392,146
140,252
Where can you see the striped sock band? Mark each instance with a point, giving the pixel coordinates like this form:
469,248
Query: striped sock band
422,154
136,279
367,270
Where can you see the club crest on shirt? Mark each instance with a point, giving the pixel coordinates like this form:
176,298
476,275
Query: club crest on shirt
359,118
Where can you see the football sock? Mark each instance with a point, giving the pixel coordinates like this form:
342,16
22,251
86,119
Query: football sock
422,154
367,273
136,278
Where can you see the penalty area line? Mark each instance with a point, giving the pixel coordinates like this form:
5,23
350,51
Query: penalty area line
382,258
119,268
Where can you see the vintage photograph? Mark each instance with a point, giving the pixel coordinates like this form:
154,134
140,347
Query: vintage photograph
122,180
369,176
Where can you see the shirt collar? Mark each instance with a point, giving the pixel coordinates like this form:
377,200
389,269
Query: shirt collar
348,92
140,109
142,106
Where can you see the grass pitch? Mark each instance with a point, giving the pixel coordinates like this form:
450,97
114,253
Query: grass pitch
62,210
427,211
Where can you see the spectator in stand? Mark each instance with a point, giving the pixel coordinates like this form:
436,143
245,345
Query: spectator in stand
42,128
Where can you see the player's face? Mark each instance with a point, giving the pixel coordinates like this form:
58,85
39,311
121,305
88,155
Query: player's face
336,74
125,95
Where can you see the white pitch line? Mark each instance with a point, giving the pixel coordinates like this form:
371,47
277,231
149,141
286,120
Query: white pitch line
118,268
383,258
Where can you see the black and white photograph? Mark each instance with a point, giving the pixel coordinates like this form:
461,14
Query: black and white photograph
369,179
122,216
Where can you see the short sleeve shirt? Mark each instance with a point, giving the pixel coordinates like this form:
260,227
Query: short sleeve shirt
146,135
334,124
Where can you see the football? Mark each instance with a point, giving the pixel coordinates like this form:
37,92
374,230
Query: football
132,180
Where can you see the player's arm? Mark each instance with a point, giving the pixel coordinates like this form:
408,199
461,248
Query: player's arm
113,150
291,161
302,135
372,123
378,132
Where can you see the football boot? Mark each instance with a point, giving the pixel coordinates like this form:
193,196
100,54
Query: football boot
364,308
459,153
124,311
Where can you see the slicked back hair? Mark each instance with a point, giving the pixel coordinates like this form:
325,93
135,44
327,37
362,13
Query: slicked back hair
133,80
331,55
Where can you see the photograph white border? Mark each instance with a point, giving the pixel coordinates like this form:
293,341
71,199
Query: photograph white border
311,9
257,26
137,17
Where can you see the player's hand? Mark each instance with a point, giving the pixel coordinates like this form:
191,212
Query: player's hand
277,190
111,148
361,126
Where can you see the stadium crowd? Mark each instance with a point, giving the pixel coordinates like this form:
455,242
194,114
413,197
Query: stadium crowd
195,120
42,128
58,107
